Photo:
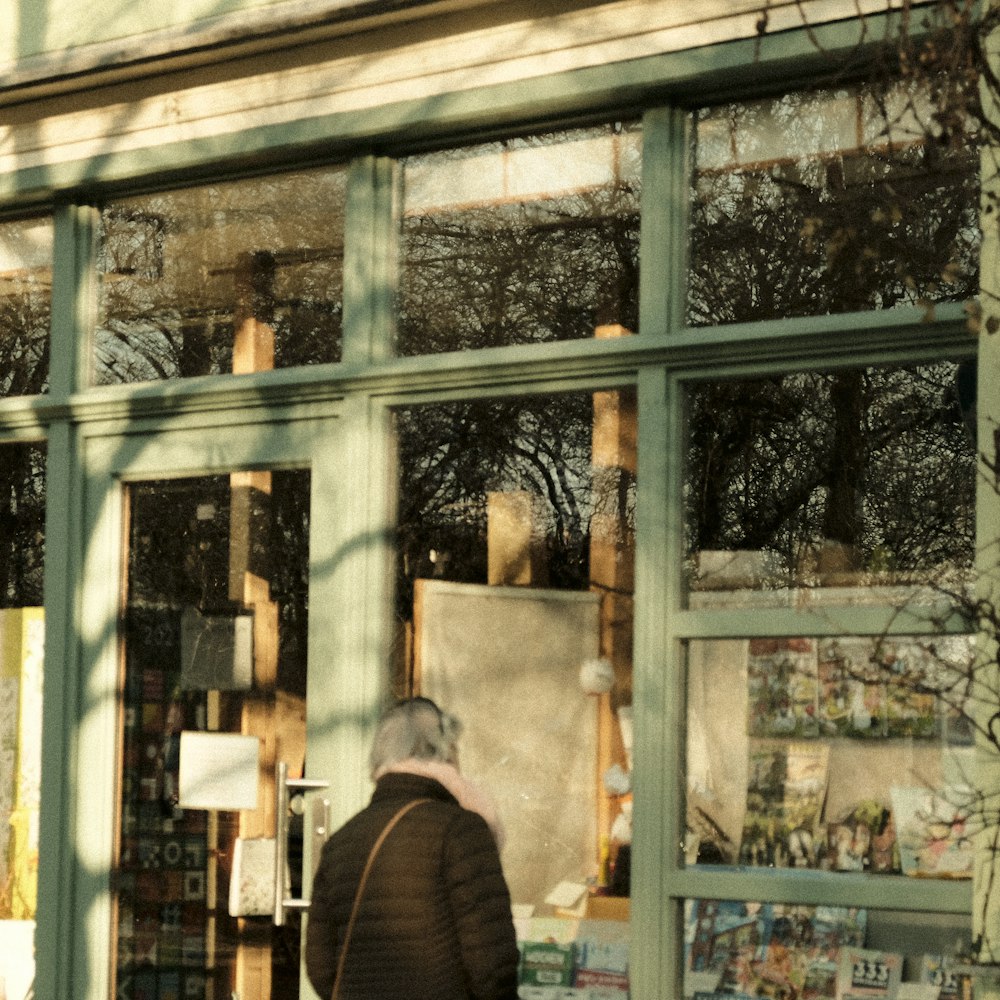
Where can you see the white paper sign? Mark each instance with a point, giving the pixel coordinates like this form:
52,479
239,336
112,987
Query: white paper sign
218,770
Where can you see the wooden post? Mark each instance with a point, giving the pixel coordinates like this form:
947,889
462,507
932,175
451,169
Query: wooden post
612,564
250,493
514,555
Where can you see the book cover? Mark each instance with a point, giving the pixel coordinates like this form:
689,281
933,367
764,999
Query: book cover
863,973
786,786
932,832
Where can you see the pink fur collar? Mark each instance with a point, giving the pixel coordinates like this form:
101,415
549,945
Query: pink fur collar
469,795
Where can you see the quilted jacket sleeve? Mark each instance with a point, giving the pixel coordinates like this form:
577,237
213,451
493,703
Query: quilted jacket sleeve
480,902
322,931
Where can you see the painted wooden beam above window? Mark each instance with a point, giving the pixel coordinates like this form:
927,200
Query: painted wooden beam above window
381,83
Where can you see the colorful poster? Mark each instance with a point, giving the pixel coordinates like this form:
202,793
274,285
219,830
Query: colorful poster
783,688
852,688
910,669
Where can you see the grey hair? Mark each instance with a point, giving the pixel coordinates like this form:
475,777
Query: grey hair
414,728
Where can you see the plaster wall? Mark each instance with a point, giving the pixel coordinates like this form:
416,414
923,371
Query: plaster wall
421,60
55,26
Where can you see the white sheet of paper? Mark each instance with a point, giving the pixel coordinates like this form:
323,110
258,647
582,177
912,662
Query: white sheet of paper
218,770
566,894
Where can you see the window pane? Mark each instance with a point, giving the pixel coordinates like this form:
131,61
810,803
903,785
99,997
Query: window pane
820,952
844,754
22,538
22,648
25,306
851,481
521,241
236,277
828,202
514,597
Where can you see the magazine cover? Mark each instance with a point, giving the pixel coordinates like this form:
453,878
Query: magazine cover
768,949
852,688
938,971
932,832
786,786
783,688
863,973
910,669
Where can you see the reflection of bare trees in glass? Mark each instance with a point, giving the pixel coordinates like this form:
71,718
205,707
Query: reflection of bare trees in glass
879,462
795,213
25,306
180,553
549,267
25,315
24,341
452,456
811,203
22,524
181,269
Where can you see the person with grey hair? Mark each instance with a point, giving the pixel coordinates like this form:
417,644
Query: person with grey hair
414,729
409,899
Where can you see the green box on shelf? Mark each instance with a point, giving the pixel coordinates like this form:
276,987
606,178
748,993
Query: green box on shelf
546,964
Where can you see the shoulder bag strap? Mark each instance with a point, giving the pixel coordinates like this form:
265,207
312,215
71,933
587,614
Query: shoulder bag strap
361,888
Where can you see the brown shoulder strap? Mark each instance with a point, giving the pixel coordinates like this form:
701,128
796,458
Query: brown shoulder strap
361,888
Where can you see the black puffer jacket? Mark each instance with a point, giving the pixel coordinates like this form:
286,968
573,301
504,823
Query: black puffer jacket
435,918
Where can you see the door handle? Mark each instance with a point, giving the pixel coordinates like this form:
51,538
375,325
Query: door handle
282,784
320,827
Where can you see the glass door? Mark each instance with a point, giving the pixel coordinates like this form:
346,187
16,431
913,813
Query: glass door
208,671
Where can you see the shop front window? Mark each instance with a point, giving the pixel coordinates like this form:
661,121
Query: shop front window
25,305
521,241
830,201
845,499
514,597
237,277
846,754
22,642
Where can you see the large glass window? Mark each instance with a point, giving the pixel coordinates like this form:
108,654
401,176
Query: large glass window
231,277
830,201
822,496
25,305
514,599
22,524
521,241
844,754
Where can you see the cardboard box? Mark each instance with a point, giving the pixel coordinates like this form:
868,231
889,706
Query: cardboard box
608,908
545,964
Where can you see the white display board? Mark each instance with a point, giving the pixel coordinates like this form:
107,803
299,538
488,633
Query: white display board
506,661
